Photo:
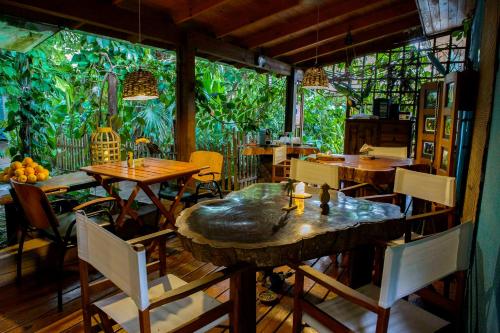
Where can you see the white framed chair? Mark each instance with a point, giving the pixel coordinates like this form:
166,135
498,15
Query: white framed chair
162,305
281,163
408,268
314,173
393,152
437,191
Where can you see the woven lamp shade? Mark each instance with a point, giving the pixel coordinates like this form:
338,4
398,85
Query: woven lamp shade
139,86
104,146
315,78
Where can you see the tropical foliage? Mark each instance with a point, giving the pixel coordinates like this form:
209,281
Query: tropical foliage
56,89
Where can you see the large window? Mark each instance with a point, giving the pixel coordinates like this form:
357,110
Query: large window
397,74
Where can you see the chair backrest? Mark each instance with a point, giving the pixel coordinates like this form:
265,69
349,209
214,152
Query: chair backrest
397,152
314,173
435,188
212,159
279,154
411,266
120,262
35,205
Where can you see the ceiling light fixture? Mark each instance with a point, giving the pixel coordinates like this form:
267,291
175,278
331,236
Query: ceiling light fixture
140,85
315,77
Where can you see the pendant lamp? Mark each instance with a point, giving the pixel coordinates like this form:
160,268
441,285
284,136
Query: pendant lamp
315,77
140,85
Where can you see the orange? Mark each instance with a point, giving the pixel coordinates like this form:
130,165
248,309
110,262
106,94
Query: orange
39,169
27,160
31,179
29,171
19,172
16,165
6,170
6,178
22,179
41,176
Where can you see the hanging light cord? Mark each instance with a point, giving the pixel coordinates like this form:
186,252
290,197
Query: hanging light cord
317,34
140,37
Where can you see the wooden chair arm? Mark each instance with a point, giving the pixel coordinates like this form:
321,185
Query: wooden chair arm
51,190
353,188
148,237
92,202
387,198
191,287
418,217
342,290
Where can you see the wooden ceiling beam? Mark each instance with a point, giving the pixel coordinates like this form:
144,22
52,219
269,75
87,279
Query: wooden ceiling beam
246,18
376,45
103,15
182,11
403,24
327,13
378,17
217,48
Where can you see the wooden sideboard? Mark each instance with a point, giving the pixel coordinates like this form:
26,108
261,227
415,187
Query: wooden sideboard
381,133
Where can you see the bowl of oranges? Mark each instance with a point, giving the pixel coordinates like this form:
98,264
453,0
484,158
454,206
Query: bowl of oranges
27,171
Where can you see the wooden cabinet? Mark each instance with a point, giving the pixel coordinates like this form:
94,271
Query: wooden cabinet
382,133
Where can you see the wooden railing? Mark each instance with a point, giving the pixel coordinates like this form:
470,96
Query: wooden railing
238,171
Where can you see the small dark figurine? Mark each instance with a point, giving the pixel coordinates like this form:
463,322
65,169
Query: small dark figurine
324,197
289,193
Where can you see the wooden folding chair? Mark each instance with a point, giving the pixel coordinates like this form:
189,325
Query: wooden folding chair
165,304
281,164
408,268
39,216
315,174
393,152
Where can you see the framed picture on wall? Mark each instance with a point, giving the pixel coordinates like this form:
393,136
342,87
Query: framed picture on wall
431,98
444,160
450,94
428,149
429,124
447,127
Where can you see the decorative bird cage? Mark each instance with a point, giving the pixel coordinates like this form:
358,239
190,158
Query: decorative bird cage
104,146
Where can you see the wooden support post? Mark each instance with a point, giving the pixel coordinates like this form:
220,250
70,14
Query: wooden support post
484,106
291,101
185,119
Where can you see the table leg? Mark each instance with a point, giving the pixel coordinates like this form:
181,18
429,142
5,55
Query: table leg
360,266
157,202
12,223
169,214
242,289
127,208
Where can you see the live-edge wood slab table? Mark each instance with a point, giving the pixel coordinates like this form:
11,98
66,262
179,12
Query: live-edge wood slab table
250,227
153,171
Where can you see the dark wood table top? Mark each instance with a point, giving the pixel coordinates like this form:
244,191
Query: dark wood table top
375,164
378,171
250,226
153,171
73,180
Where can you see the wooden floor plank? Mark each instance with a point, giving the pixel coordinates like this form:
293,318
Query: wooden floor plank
32,306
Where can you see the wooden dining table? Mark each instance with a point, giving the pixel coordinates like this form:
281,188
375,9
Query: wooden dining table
250,227
378,171
152,171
